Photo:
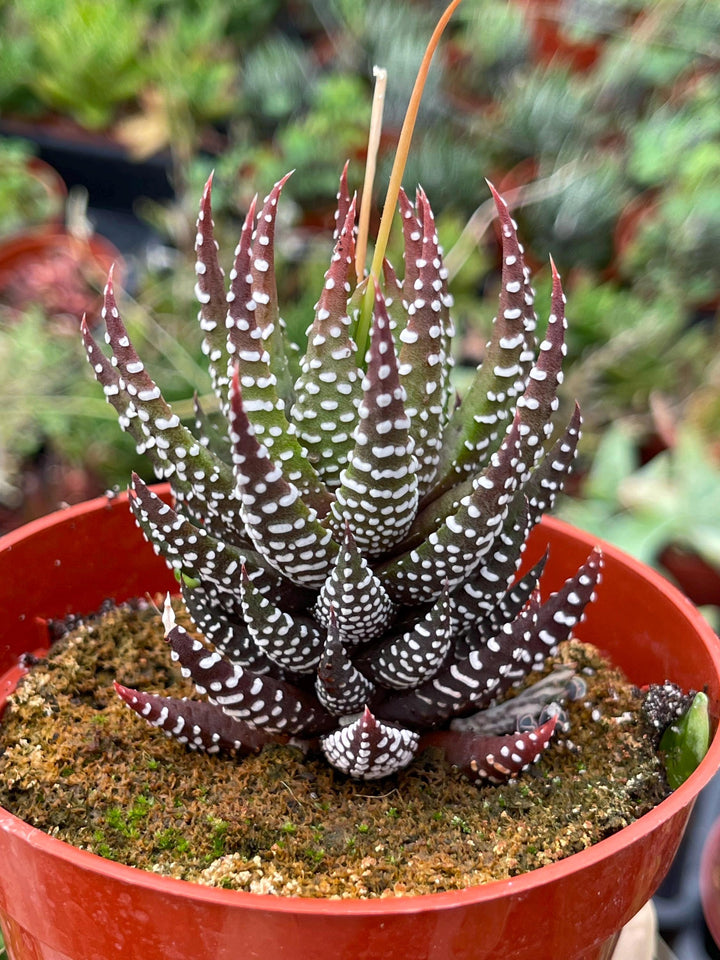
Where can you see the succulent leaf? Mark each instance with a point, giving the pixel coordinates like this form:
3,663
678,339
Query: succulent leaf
513,600
475,426
361,605
264,289
325,408
434,276
343,203
200,479
283,528
210,293
533,702
520,646
474,680
547,479
209,433
539,401
196,723
456,548
407,660
369,749
269,704
493,758
378,493
292,643
341,688
392,293
252,364
424,339
564,610
478,596
686,741
230,636
116,394
413,241
187,548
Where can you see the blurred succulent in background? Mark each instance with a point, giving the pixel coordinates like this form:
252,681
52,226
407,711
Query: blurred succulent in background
349,543
30,191
578,223
82,58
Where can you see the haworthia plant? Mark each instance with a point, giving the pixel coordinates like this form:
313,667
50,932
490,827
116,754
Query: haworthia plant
349,545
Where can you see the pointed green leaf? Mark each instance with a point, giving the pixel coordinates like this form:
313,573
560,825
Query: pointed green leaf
363,610
455,549
476,425
686,742
377,495
411,658
211,294
200,479
256,365
341,688
284,530
264,291
424,352
329,389
292,643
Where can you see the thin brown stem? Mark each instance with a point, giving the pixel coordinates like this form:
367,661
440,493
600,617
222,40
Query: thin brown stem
370,167
403,148
362,333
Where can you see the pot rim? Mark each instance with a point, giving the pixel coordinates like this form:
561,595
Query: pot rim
673,805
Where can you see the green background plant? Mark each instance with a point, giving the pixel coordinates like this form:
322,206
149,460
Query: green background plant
262,88
26,197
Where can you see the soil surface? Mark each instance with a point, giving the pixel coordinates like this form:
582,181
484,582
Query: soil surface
75,762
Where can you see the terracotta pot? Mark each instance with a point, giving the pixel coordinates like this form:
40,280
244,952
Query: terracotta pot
64,274
60,903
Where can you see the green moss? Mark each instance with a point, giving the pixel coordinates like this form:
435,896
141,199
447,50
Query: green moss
170,838
218,838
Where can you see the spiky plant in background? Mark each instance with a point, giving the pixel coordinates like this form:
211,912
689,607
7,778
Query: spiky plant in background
349,546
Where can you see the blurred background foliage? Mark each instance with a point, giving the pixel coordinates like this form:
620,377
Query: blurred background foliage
598,119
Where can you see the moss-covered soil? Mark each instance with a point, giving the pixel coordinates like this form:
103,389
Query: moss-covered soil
75,762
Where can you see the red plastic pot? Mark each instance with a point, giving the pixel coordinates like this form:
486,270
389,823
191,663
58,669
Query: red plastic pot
60,903
61,273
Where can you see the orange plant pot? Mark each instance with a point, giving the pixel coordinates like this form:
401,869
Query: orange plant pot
83,264
60,903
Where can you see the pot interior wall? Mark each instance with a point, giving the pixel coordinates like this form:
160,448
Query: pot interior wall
70,563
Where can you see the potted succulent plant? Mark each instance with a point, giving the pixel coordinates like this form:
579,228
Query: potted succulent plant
40,263
364,541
